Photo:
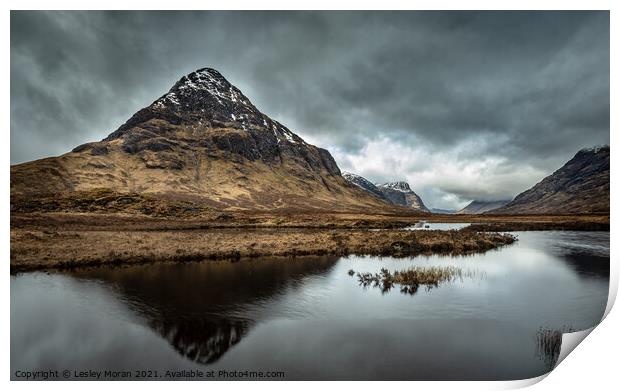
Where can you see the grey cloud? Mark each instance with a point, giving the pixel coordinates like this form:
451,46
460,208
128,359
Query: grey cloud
533,86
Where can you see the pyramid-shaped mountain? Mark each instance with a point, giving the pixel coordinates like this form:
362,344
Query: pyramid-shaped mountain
203,141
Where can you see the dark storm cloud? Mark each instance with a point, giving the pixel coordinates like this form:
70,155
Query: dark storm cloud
522,89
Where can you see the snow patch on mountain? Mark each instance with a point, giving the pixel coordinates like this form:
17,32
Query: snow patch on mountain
207,96
363,184
398,193
596,148
398,186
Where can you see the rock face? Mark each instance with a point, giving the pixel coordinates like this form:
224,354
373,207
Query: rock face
400,193
478,207
396,193
205,99
580,186
364,184
202,141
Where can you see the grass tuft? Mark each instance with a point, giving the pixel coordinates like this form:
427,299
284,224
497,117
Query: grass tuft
549,344
410,280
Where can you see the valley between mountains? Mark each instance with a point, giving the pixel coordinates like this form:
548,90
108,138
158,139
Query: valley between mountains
201,173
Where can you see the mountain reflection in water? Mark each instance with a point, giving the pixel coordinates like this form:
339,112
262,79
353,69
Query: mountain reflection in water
203,309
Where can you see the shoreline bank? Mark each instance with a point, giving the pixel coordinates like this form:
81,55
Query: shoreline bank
45,250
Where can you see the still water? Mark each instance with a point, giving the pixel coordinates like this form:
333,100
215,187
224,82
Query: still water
437,226
310,319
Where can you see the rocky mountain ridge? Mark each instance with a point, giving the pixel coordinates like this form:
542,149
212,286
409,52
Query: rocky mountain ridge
363,184
397,193
400,193
580,186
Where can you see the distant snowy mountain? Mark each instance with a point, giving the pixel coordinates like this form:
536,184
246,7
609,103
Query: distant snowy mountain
363,183
400,193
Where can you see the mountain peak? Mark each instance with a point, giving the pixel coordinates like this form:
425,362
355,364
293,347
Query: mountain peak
203,89
205,98
595,149
398,193
399,185
362,183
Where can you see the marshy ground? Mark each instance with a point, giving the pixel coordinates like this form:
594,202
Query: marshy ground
65,240
32,250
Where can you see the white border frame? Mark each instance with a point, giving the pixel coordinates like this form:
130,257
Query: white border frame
592,366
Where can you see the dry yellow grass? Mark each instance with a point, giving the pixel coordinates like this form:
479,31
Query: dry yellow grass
41,249
105,227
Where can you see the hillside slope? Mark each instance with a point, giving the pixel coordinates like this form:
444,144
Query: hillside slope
580,186
478,207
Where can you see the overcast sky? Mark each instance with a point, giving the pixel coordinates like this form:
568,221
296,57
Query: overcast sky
462,105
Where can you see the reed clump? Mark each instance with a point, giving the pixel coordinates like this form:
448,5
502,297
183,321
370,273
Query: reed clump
410,280
549,344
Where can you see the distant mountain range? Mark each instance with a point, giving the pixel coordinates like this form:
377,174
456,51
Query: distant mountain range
580,186
397,193
442,211
478,207
203,141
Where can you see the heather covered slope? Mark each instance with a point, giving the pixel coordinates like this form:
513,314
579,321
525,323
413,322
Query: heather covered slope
580,186
203,142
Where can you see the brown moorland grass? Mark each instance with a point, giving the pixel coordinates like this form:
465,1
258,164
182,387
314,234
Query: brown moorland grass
42,240
48,248
74,221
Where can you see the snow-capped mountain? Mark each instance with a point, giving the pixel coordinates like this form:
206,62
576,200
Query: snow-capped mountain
580,186
205,97
364,184
400,193
398,186
397,193
202,141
